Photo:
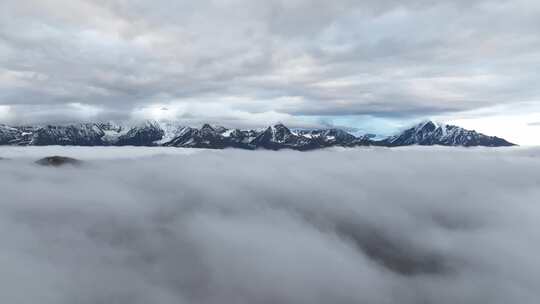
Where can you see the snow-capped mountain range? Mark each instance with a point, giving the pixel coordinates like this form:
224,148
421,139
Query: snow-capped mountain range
431,133
275,137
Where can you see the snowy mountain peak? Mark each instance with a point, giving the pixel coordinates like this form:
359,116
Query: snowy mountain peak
432,133
151,133
429,126
207,127
280,132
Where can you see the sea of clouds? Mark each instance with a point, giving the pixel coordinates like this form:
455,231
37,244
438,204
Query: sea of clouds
366,225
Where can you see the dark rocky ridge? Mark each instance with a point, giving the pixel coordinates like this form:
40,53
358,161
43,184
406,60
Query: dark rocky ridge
429,133
58,161
216,137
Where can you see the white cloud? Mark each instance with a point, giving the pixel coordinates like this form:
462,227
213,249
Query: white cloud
320,58
371,225
510,122
4,112
227,111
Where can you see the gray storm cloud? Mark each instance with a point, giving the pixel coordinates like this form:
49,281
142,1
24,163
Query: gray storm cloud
413,225
302,57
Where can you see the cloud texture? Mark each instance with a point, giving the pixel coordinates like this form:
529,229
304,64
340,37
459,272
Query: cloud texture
413,225
92,59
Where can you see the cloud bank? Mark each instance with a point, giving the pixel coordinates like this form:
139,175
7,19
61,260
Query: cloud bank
61,59
414,225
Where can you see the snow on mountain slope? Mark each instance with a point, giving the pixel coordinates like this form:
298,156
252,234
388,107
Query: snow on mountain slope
432,133
276,137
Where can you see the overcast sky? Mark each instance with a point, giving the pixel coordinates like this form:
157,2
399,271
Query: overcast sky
375,64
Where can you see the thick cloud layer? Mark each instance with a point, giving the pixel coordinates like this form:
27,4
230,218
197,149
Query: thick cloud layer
415,225
226,60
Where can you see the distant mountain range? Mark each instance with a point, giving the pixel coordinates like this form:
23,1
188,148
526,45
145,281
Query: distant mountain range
216,137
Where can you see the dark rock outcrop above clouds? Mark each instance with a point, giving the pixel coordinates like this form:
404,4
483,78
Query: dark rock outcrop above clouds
58,161
275,137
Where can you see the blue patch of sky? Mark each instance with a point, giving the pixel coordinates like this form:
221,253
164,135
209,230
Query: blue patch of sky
364,124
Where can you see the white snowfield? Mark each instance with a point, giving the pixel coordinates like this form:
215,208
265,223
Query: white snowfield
360,225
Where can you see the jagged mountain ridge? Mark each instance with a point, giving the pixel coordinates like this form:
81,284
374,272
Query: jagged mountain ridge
275,137
83,134
430,133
